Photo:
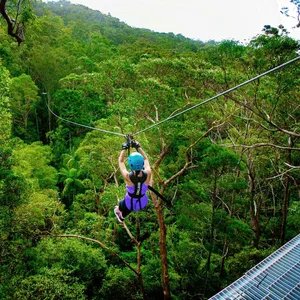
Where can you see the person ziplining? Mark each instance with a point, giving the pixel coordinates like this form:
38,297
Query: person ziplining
137,180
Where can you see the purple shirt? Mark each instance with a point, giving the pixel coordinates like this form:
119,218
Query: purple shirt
136,203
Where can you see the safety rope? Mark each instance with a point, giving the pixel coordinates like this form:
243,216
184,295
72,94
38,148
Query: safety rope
81,125
219,95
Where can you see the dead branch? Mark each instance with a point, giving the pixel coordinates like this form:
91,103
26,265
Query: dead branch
149,119
281,174
292,167
156,113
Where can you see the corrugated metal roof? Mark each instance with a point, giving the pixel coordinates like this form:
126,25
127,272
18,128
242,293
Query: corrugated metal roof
276,277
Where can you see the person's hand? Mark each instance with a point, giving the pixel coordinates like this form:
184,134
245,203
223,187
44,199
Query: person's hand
125,146
135,144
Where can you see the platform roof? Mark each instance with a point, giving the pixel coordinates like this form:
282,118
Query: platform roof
276,277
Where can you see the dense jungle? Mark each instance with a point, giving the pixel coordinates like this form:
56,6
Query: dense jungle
228,169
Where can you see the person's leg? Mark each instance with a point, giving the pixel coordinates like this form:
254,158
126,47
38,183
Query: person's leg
118,214
123,208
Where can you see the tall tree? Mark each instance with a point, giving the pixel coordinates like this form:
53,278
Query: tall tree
5,120
23,98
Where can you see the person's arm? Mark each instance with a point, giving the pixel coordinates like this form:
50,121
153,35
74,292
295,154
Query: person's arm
122,166
147,167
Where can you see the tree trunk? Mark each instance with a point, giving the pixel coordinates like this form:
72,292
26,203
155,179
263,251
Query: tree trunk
140,276
162,232
254,211
224,255
286,198
163,249
139,256
212,229
49,112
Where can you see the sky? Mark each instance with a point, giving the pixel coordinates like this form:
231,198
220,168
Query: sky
199,19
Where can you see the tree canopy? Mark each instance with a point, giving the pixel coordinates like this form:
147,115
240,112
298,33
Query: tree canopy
229,169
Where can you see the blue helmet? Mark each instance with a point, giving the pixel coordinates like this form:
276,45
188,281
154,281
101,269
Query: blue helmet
136,161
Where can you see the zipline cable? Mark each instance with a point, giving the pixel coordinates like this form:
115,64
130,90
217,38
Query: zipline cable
182,112
219,95
81,125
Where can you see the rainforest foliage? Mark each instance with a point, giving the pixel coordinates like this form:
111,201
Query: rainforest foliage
229,169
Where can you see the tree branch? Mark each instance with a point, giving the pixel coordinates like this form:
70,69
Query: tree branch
162,155
292,167
263,145
281,174
187,160
130,234
268,120
18,34
100,244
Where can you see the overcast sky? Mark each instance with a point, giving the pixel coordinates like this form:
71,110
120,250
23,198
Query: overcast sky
199,19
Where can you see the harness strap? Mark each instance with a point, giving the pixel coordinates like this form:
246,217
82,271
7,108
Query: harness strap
138,200
157,193
132,195
138,181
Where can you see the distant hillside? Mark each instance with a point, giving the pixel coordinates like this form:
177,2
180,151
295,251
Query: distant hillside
116,31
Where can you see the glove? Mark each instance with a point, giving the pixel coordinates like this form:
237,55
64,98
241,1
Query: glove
125,146
135,144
